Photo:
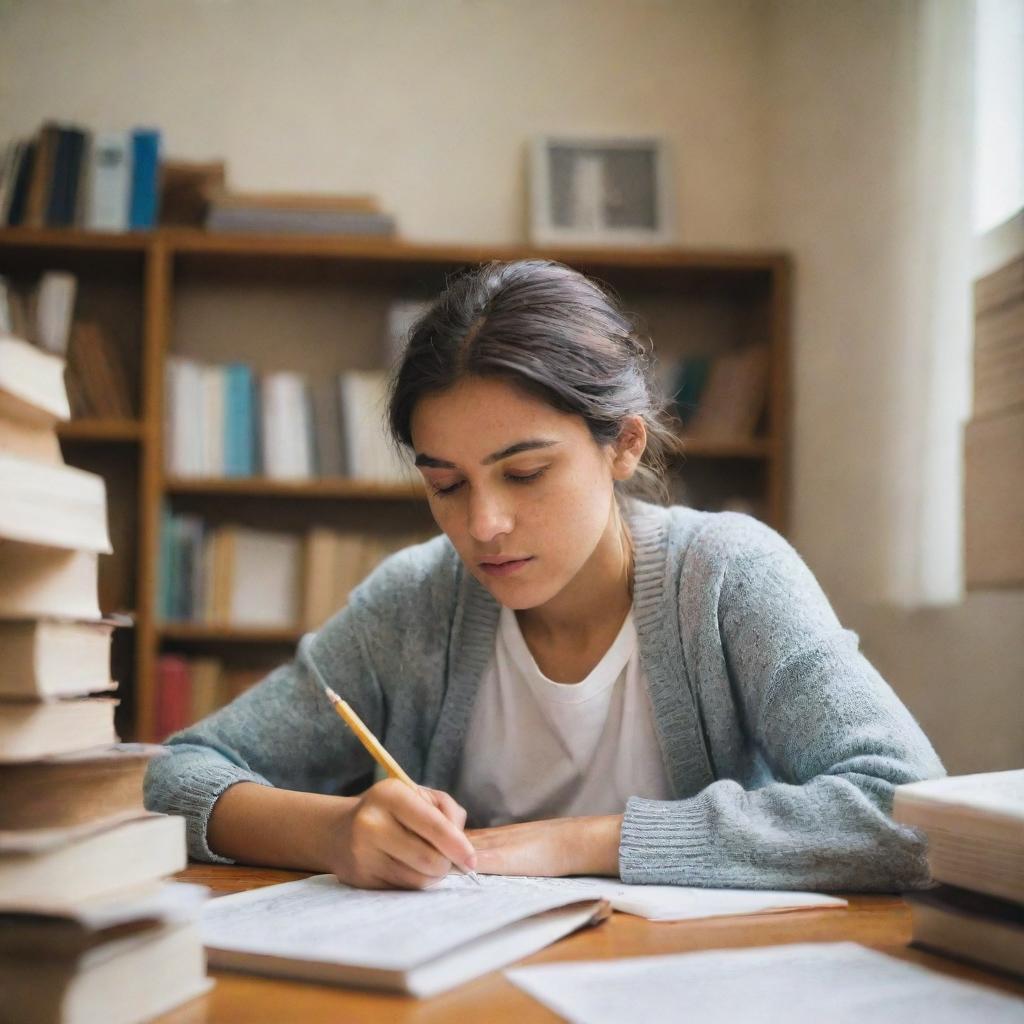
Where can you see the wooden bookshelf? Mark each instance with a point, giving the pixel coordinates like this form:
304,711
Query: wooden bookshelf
317,305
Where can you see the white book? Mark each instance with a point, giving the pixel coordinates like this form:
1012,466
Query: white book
212,389
369,452
55,306
800,983
265,577
43,581
109,177
183,416
31,729
69,868
420,942
287,449
975,829
31,384
58,506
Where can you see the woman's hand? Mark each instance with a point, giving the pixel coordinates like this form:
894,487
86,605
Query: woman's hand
396,837
557,846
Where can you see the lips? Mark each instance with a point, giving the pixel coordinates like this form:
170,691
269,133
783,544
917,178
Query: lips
505,566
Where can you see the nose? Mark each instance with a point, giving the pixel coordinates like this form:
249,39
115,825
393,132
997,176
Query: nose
488,517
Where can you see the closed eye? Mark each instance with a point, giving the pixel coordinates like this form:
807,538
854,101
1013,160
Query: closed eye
515,478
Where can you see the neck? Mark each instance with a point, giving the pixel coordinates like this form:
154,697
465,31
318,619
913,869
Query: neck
598,597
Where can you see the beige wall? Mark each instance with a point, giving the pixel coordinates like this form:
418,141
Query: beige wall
784,117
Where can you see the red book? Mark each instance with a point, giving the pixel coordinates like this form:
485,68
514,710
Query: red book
174,694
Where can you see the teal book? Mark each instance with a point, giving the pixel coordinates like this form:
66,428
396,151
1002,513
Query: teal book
239,421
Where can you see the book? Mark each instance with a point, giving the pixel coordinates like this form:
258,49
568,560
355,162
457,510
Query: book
969,925
975,829
733,395
287,426
97,369
318,586
145,178
27,441
55,304
57,506
40,184
9,161
420,942
265,578
369,453
23,175
65,790
329,455
108,176
239,435
151,964
303,222
30,729
43,581
66,866
31,384
173,694
218,196
43,658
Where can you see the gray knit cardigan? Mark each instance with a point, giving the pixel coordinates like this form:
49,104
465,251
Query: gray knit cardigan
781,742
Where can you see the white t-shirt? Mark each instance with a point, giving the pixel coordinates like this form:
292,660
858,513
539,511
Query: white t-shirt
539,749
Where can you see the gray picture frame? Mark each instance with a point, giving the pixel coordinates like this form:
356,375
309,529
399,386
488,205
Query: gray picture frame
601,191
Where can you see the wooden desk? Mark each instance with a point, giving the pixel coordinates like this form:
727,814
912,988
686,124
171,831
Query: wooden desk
880,921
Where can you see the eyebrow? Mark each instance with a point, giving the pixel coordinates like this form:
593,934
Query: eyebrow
422,459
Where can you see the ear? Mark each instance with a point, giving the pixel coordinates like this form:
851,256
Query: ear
628,447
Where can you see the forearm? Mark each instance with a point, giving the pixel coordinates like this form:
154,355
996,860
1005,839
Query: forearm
552,847
256,824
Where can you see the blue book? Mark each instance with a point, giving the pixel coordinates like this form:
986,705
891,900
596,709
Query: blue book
239,432
145,175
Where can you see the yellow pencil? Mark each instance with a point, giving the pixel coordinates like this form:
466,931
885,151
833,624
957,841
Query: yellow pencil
376,750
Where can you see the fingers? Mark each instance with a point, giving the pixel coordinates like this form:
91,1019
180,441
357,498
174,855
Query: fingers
425,819
454,812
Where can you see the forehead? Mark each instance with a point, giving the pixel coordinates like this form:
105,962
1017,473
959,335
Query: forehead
477,416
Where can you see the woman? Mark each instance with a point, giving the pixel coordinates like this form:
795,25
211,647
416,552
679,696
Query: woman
599,685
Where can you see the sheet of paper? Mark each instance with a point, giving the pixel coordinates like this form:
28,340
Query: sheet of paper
681,903
806,983
318,918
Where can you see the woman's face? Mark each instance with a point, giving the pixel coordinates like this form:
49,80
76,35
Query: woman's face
522,490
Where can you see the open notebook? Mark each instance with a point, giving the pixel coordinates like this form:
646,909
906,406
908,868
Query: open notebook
425,942
421,943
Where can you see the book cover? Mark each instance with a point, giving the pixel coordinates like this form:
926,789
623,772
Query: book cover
145,186
239,433
22,178
109,178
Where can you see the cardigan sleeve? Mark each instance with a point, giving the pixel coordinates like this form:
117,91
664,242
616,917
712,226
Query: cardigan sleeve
282,733
834,737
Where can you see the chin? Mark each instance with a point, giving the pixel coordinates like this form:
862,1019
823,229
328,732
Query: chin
518,598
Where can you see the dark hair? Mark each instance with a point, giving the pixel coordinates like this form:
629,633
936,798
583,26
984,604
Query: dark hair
551,331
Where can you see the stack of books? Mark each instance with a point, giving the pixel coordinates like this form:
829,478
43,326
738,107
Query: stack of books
286,213
230,421
82,913
975,830
66,175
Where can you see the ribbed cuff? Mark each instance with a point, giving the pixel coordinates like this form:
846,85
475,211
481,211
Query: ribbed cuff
666,842
195,796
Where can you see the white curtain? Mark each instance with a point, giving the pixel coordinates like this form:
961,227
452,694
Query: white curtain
924,499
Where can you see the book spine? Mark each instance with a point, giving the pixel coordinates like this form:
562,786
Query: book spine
109,177
22,178
145,173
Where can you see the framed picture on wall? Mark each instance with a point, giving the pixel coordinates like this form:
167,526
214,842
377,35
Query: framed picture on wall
600,192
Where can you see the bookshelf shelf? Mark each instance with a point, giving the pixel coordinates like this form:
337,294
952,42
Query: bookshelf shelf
700,448
318,305
127,431
356,490
203,633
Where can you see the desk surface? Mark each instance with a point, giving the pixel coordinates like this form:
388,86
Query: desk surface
880,921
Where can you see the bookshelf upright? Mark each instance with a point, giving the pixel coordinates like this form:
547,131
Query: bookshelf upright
318,305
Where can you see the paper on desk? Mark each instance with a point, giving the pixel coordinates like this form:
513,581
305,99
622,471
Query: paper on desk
681,903
320,919
806,983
